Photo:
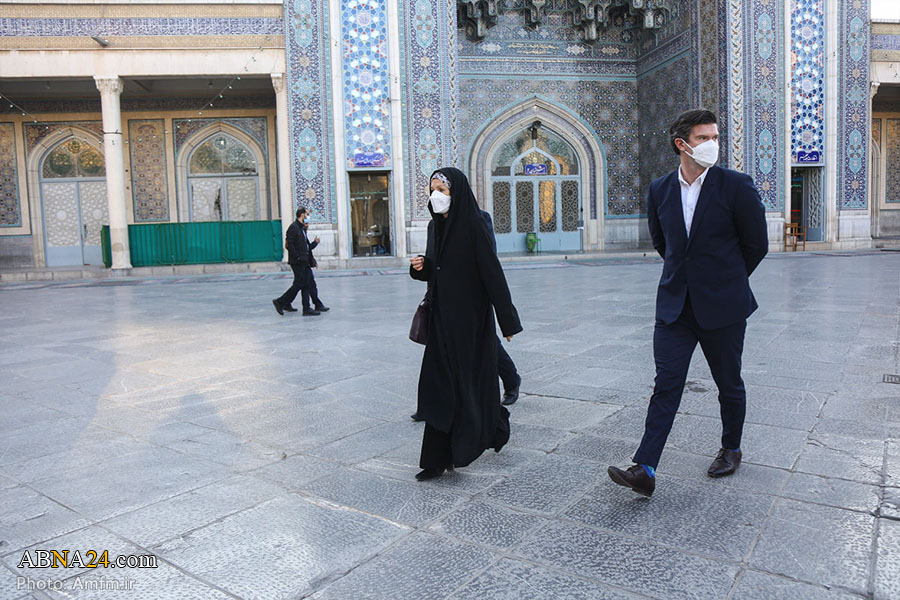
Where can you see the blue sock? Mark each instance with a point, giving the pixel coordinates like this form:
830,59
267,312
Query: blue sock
735,450
650,470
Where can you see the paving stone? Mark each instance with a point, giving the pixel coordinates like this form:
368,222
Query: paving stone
548,485
129,482
403,572
834,492
294,472
158,522
718,522
816,544
28,517
273,550
842,457
623,562
368,443
753,585
749,476
887,568
410,502
487,524
232,451
561,413
513,579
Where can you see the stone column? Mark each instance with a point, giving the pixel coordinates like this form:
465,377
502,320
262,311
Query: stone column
110,88
283,148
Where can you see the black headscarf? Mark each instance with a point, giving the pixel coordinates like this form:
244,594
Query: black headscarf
464,209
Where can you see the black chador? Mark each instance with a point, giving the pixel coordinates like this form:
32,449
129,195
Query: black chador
459,395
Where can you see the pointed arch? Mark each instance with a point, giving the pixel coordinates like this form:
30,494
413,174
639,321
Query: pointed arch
34,162
199,137
568,125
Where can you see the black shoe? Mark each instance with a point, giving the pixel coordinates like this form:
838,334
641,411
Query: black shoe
635,477
289,308
427,474
510,396
278,308
322,308
417,417
726,463
308,312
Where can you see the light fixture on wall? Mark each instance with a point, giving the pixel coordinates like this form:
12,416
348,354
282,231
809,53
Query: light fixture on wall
103,42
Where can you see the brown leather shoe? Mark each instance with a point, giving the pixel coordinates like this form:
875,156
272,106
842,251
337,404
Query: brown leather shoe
635,477
726,462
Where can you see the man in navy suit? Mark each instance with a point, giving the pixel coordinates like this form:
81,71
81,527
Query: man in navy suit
709,225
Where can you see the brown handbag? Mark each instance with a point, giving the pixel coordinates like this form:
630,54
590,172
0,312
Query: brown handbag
418,331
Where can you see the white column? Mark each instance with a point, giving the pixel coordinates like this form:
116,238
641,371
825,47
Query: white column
341,191
283,153
110,87
832,126
398,179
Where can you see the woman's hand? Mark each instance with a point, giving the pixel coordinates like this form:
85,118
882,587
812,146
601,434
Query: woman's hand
509,338
417,262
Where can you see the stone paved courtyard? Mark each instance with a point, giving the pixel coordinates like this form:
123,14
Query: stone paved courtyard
260,456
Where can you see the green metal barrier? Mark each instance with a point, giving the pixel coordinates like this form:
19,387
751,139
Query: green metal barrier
160,244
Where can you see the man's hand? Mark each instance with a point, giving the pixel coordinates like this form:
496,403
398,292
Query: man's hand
317,239
509,338
417,262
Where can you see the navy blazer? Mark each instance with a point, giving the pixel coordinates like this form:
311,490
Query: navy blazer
728,240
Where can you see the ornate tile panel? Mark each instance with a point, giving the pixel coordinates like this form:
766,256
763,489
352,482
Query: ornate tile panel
309,92
428,55
147,144
807,79
885,42
892,149
765,98
35,132
255,127
854,122
10,207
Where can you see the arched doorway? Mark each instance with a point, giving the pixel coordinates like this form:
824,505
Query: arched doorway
535,187
223,180
74,205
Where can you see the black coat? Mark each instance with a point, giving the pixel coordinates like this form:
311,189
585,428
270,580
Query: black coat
728,240
298,245
459,392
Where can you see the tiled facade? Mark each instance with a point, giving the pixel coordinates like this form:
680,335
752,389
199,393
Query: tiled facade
612,80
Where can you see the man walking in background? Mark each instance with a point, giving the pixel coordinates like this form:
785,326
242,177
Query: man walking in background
300,258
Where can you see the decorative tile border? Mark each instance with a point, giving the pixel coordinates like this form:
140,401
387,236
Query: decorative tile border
147,145
255,127
892,151
736,152
765,73
853,116
10,208
428,64
366,79
35,132
885,42
310,108
140,26
807,78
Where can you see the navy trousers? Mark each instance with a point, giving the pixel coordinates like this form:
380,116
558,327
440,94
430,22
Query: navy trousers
673,346
506,368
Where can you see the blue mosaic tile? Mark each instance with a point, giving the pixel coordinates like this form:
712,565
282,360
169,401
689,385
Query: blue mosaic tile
366,79
807,77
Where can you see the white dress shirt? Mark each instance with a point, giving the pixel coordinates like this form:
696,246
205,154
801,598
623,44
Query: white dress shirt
689,195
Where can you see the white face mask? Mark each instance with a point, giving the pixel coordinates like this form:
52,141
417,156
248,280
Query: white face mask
705,154
440,203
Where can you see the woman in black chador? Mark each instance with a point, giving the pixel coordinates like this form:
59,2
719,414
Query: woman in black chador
459,394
